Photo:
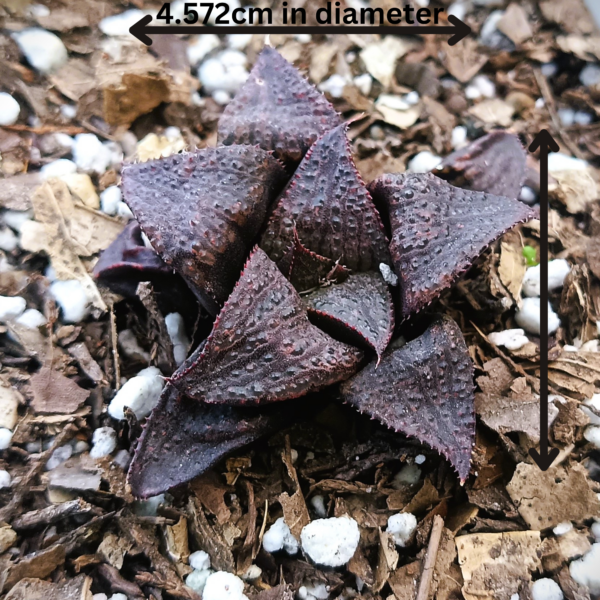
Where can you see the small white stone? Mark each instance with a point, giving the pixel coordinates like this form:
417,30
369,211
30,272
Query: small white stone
318,504
557,272
472,92
72,298
279,537
546,589
459,137
528,317
197,579
314,591
141,394
334,86
68,111
423,162
9,109
412,98
199,560
200,46
104,442
557,161
489,34
364,83
485,85
420,459
221,97
16,218
124,211
402,527
409,474
549,69
388,275
562,528
119,25
581,117
118,597
37,10
43,50
594,403
5,438
585,571
99,597
58,168
590,75
596,530
5,479
80,446
591,346
252,573
90,154
223,586
511,339
566,116
458,9
11,307
59,456
110,199
592,435
8,240
331,542
528,195
238,41
303,38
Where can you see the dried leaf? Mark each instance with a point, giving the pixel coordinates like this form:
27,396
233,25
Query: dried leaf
78,588
55,393
575,189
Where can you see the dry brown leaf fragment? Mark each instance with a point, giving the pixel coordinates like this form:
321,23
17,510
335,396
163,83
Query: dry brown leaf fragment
387,560
55,393
295,511
463,61
494,111
8,537
77,588
404,580
113,548
514,24
10,399
512,267
35,565
380,57
575,189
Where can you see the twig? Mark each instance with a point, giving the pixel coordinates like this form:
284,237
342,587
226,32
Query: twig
115,348
430,558
44,129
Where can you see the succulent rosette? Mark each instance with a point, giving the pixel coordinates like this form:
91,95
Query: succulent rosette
284,245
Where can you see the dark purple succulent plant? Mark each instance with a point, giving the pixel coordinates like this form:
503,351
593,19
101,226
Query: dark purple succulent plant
310,308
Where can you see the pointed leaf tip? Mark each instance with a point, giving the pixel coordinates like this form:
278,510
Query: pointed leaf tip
277,109
202,210
263,347
424,390
438,231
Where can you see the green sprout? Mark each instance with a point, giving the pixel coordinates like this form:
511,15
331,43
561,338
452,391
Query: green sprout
530,254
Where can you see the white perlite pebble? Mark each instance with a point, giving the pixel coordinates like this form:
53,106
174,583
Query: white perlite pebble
563,162
223,586
420,459
252,573
592,435
5,479
408,475
104,442
199,560
528,317
116,25
43,50
8,240
31,318
118,597
200,46
110,199
562,528
59,456
5,438
58,168
590,75
221,97
527,195
459,137
511,339
11,307
566,116
226,71
586,571
364,83
238,41
90,154
388,275
596,530
557,272
71,296
141,394
149,506
546,589
330,542
318,504
314,591
423,162
99,597
279,537
9,109
592,403
402,527
334,86
485,85
197,579
16,218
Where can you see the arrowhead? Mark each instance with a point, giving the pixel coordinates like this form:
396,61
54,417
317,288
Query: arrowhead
461,30
543,138
544,461
138,30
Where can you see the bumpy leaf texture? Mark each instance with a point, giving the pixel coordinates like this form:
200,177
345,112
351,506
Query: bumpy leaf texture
330,208
424,390
262,347
494,163
183,438
438,230
202,211
277,109
127,262
360,310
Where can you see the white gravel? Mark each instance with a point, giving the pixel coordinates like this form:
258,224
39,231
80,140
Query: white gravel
563,162
179,338
104,442
423,162
557,272
590,75
5,438
200,46
546,589
592,435
334,86
511,339
562,528
223,586
318,505
31,318
279,537
528,317
110,199
388,275
197,579
409,474
118,25
59,456
58,168
402,528
72,298
459,137
9,109
11,307
90,154
226,71
330,542
8,240
592,403
199,560
586,570
5,479
43,50
141,394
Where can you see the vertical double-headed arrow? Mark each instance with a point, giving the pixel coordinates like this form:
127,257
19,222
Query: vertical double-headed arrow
545,142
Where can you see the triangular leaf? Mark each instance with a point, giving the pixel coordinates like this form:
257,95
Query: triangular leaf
201,211
438,230
494,163
183,438
425,390
277,109
262,347
330,208
361,306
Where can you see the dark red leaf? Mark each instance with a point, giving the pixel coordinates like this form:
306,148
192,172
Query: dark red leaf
202,210
425,390
494,163
277,109
331,209
438,230
183,438
127,261
362,306
262,347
